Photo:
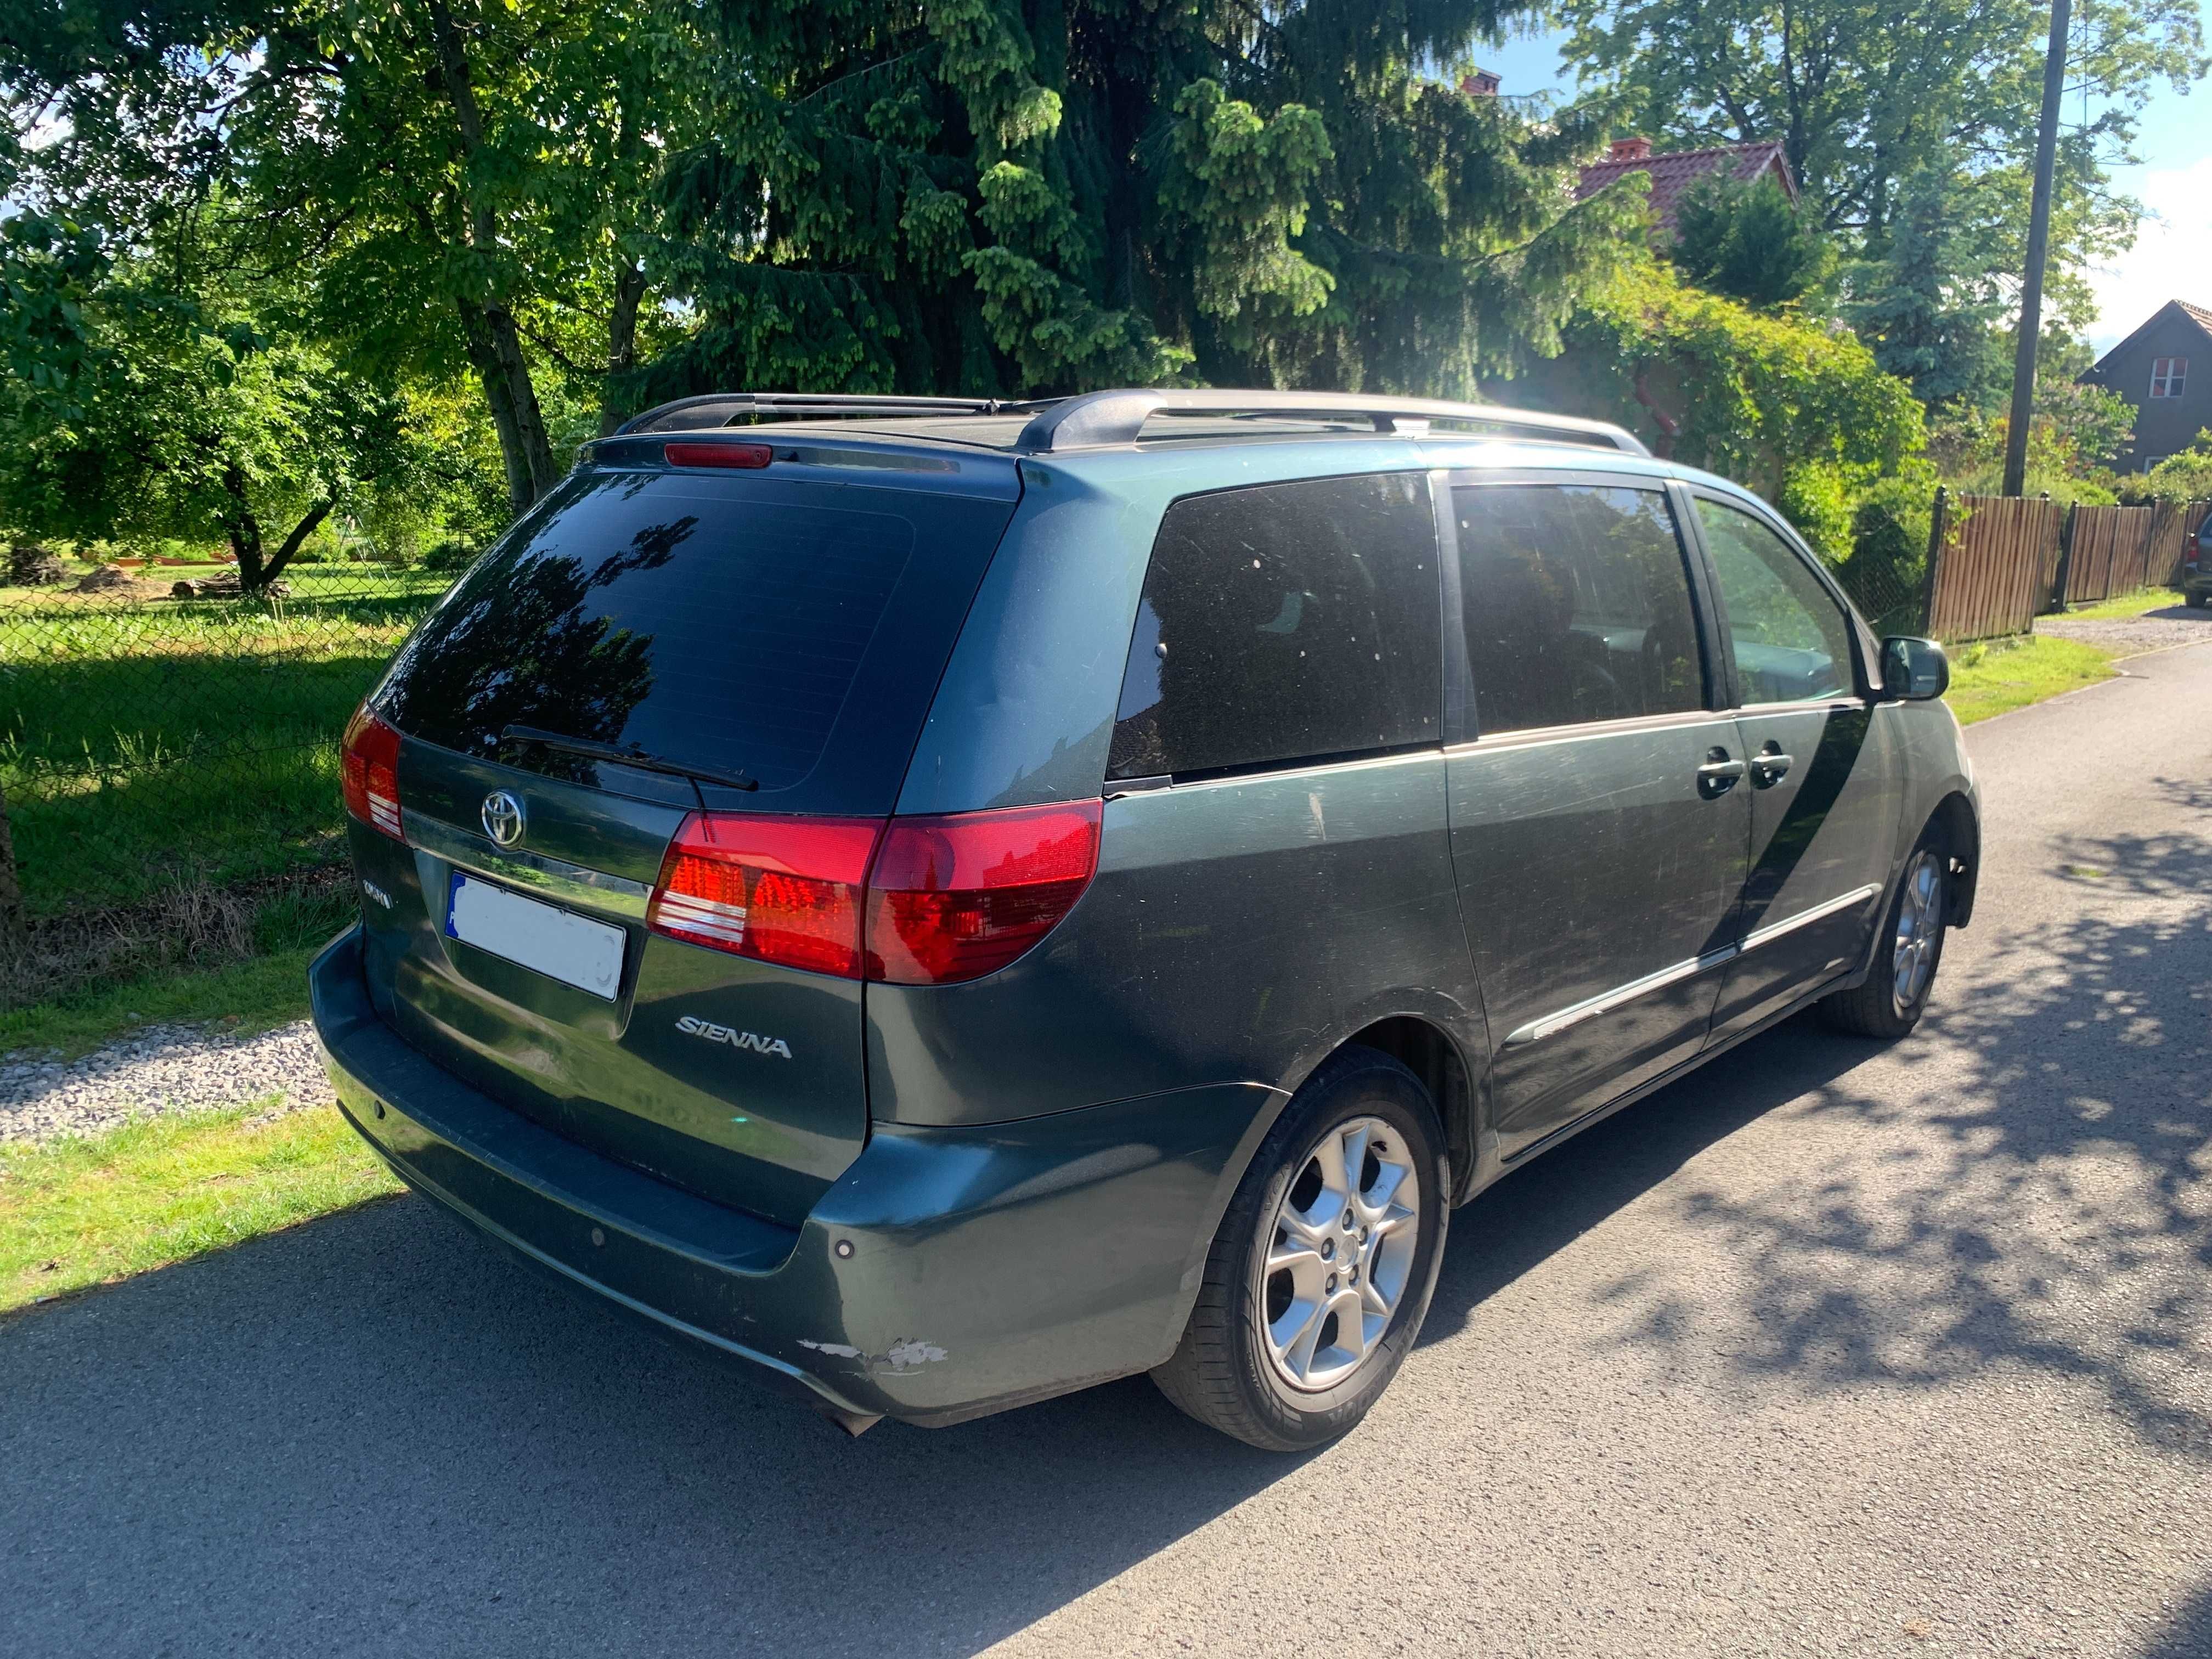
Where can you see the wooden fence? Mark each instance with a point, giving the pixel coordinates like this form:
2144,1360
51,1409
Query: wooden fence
1992,564
1996,562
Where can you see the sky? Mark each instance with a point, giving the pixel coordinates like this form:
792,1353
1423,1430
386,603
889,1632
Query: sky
2172,258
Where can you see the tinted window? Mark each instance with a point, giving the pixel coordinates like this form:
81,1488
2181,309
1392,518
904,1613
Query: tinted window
694,617
1790,639
1284,622
1576,605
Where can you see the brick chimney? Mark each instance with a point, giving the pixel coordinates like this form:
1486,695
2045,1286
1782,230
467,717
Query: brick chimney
1481,84
1630,149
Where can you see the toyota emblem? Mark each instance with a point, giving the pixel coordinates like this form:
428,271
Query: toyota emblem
502,817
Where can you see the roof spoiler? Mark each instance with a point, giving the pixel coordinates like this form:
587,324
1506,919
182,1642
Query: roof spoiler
1098,418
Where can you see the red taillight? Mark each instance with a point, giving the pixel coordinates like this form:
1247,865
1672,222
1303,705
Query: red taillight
784,890
956,898
949,898
369,768
746,457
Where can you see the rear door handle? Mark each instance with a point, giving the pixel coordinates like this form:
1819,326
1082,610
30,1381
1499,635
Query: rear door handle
1718,774
1770,766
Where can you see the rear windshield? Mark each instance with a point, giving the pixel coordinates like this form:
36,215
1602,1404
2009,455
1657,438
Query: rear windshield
734,624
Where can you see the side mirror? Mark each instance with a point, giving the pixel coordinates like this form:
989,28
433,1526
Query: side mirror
1914,671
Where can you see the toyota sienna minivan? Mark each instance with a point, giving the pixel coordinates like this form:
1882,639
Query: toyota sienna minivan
949,902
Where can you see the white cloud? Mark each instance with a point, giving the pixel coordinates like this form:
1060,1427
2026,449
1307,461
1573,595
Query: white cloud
2172,258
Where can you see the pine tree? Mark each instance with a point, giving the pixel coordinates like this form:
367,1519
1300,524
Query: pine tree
1748,241
981,197
1927,307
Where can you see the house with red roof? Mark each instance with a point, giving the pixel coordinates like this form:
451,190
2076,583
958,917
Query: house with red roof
1674,172
2165,369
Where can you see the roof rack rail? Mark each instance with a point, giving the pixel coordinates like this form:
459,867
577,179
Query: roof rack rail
725,408
1098,418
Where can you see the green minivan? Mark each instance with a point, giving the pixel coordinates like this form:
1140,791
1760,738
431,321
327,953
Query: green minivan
947,902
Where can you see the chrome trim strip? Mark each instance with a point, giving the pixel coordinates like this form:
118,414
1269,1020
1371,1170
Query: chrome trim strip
1758,936
1552,1024
551,877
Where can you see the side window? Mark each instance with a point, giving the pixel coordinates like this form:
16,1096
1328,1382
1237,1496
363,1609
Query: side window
1287,621
1576,605
1791,641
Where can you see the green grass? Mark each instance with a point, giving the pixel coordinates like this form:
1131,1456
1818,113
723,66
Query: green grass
1996,676
247,996
146,741
88,1211
2128,605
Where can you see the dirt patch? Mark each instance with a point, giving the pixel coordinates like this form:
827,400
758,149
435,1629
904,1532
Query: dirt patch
2154,630
189,925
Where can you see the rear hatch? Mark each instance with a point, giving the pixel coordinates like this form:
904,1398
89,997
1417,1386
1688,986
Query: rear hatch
652,651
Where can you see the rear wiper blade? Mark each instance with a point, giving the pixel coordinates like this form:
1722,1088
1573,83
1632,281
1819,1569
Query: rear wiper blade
633,755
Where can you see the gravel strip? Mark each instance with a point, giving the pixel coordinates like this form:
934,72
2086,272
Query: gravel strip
157,1069
2176,624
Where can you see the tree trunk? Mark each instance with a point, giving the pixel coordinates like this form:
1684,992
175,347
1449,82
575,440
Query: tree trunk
11,890
622,344
1669,426
494,343
245,530
291,545
499,398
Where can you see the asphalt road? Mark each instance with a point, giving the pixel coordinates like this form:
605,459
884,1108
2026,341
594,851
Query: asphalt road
1833,1350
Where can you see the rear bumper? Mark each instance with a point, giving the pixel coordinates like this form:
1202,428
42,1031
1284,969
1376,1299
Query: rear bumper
947,1274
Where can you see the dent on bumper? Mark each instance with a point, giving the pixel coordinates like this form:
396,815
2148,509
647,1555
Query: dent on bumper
947,1274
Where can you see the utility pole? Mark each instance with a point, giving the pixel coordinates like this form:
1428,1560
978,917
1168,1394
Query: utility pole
2039,245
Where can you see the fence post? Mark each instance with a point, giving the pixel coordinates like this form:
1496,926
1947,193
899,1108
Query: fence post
11,890
1936,525
2065,559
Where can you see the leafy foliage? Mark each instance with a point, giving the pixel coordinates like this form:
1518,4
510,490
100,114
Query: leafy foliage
2186,477
951,197
187,415
1866,98
1804,416
1929,304
1749,240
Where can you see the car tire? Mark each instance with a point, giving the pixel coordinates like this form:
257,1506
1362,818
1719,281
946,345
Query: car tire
2199,600
1233,1369
1908,952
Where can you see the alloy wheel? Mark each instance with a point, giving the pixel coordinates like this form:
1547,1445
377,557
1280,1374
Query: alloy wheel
1919,928
1340,1253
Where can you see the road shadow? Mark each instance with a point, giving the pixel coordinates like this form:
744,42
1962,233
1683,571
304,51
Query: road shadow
2042,1147
377,1434
377,1431
2184,1633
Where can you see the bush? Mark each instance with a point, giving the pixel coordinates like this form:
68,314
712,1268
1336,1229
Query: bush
454,553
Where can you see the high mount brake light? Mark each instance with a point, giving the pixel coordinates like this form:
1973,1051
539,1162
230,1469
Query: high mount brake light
744,456
943,899
954,898
368,771
784,890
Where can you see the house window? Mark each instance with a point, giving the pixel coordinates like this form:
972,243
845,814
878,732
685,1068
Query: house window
2168,376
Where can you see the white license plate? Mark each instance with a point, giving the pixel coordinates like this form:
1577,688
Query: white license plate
559,944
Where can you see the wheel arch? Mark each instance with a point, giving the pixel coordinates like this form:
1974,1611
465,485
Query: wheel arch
1962,837
1429,1051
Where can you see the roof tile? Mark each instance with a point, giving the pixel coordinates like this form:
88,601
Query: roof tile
1674,173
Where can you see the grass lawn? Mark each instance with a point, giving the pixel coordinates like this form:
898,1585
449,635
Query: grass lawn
160,1190
145,741
2129,605
269,990
1999,675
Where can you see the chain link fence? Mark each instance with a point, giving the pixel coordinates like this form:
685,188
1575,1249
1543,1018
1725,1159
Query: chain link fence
160,731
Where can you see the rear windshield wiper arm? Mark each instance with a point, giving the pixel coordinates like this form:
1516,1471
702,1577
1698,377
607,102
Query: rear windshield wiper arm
631,756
